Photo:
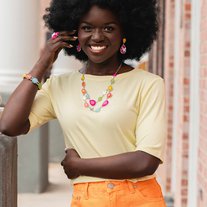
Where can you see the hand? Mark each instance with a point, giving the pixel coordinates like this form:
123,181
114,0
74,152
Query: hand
70,163
53,47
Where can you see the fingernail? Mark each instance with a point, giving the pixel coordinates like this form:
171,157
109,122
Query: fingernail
74,37
69,46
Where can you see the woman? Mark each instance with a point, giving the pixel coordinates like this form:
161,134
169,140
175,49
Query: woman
112,115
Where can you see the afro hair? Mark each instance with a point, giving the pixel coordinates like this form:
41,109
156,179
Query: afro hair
138,18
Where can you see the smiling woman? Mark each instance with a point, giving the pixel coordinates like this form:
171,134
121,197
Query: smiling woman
112,115
100,35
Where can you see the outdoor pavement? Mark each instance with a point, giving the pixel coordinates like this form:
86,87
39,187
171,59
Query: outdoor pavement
57,194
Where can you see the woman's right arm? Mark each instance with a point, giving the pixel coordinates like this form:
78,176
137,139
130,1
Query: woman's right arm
14,120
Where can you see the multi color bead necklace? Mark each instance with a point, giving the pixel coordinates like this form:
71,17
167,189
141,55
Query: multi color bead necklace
103,100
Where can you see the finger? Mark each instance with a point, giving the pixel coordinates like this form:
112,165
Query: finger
53,42
68,38
55,35
61,45
66,33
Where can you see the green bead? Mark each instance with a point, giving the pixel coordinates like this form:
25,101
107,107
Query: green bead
97,110
112,81
100,99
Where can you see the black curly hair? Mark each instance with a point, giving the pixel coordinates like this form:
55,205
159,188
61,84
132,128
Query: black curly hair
139,20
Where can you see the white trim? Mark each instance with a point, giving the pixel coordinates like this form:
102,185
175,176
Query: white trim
9,79
194,105
176,94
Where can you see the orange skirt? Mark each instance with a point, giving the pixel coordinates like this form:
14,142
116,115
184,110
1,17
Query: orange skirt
118,194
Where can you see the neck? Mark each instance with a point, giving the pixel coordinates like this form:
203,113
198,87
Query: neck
102,68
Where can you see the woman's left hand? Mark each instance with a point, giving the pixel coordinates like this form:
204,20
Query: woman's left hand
70,163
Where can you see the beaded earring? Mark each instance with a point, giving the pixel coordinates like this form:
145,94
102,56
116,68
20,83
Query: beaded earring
123,48
78,47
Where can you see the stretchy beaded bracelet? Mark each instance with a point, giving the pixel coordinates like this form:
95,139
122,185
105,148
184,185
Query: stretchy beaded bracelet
34,80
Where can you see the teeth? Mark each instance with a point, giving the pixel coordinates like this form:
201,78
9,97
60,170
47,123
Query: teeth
98,48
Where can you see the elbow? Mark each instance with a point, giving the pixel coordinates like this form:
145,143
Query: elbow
150,170
6,131
146,169
10,131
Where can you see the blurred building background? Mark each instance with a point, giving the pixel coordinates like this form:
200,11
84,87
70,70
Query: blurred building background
179,56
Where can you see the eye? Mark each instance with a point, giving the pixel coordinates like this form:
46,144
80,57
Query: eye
108,28
87,28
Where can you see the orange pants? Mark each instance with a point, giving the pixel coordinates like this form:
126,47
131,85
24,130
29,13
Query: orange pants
118,194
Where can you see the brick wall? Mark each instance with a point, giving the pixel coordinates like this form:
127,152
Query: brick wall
182,122
202,167
177,64
169,82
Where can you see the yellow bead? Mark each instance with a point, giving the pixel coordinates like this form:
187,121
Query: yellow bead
110,88
83,77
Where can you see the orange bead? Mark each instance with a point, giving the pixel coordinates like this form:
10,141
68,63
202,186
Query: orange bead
83,84
83,91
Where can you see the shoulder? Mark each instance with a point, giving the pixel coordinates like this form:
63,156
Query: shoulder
146,76
63,77
57,83
148,81
56,80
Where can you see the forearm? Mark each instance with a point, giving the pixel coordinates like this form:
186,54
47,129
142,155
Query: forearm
123,166
14,120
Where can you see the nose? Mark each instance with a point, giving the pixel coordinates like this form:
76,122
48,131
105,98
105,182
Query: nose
97,35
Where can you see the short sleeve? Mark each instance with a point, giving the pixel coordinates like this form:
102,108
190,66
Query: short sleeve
42,110
151,122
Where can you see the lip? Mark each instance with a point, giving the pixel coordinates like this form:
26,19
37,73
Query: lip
97,49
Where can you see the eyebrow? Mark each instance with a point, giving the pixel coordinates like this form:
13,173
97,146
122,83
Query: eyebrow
84,22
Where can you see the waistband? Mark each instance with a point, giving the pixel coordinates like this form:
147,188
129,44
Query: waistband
111,186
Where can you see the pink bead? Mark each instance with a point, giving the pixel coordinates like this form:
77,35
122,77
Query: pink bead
92,102
105,103
86,105
109,95
123,49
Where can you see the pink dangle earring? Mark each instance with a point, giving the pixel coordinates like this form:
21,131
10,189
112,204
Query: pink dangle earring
123,48
78,47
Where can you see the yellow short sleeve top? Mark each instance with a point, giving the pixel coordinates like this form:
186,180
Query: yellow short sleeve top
134,119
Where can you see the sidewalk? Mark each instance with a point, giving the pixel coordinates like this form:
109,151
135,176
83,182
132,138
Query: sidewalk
57,194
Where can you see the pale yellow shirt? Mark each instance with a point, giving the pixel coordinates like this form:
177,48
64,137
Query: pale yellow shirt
134,119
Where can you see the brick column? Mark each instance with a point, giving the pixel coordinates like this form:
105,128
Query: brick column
202,158
182,103
169,83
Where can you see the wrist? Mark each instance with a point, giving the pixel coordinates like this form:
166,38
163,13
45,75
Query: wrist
80,166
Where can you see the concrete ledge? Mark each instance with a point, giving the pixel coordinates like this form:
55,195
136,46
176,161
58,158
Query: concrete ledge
8,171
33,161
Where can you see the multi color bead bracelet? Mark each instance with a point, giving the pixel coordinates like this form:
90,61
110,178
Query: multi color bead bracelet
34,80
